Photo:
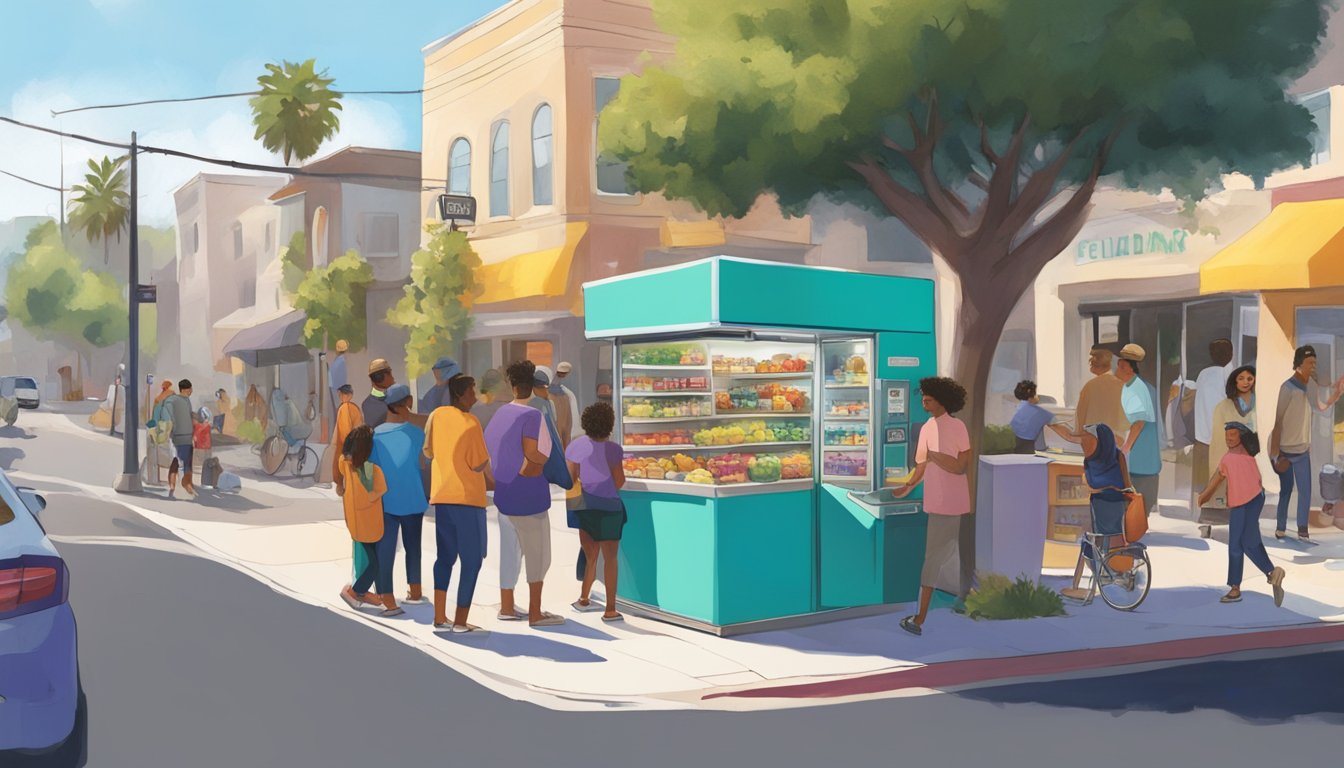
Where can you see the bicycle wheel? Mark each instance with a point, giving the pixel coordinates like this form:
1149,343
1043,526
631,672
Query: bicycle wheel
305,462
273,454
1125,577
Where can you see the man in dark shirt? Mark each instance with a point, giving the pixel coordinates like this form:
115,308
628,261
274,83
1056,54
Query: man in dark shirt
445,369
375,405
179,410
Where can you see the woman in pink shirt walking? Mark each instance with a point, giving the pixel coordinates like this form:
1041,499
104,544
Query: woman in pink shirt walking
1245,501
941,461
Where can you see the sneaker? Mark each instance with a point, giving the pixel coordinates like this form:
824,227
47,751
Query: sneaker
446,626
1280,534
1304,534
1276,581
1230,597
1074,593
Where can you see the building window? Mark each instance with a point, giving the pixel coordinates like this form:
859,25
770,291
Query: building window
237,240
542,156
610,171
1319,106
247,292
381,232
499,170
319,253
459,168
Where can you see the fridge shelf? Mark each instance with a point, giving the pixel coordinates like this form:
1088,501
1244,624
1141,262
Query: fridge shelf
666,393
846,448
733,447
826,417
794,376
847,386
722,417
691,368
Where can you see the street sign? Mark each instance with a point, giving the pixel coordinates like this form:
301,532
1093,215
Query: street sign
457,208
146,294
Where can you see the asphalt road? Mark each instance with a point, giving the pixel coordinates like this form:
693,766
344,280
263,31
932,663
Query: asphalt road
190,663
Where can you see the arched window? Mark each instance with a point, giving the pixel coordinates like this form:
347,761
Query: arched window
318,258
459,168
542,157
499,169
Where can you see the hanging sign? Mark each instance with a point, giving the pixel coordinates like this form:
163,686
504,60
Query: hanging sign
457,208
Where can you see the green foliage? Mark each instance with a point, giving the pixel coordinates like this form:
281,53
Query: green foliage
783,95
436,306
296,109
293,263
100,206
998,439
250,431
334,298
1000,598
51,294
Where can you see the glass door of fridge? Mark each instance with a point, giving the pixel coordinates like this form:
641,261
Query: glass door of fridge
847,413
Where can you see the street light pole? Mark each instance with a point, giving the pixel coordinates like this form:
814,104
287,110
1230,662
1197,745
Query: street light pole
129,479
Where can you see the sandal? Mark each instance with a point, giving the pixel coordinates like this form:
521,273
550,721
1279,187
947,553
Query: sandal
591,607
388,613
909,625
470,629
547,620
609,619
515,616
421,600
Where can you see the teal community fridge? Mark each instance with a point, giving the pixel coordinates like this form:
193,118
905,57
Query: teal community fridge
763,408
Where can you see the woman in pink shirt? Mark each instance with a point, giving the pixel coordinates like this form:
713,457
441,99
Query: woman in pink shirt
941,461
1245,501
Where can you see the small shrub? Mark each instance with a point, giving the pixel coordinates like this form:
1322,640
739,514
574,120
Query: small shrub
1000,598
251,431
998,439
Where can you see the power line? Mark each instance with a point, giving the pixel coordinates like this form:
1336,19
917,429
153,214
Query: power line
240,94
237,164
34,183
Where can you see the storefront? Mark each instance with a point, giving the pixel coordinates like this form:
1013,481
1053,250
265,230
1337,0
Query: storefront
1295,259
762,407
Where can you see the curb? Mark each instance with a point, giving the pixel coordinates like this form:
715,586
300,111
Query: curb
978,673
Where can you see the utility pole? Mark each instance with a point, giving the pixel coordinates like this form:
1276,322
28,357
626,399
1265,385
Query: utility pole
129,479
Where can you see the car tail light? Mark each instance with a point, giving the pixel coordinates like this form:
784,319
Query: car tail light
32,583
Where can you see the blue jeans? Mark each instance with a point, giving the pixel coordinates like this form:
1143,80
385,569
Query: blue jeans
1299,474
459,532
372,572
1243,539
411,527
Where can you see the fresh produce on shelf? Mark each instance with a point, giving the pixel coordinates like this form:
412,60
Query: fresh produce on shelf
731,435
701,476
665,383
675,354
781,363
640,408
672,437
788,432
848,408
854,371
796,466
686,463
845,464
729,468
763,397
764,468
846,434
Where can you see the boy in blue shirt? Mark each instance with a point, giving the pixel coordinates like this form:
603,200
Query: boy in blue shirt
397,446
1029,421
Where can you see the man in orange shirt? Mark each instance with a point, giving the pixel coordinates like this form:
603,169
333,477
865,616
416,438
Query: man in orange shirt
459,476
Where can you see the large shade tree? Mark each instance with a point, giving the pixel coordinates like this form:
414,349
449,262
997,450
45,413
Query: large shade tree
295,110
985,126
101,205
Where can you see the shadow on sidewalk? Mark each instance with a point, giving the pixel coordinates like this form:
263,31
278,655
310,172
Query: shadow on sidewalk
1258,690
16,433
512,645
10,455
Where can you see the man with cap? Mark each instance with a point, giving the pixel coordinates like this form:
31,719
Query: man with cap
337,375
397,444
437,396
1099,402
566,404
1141,444
375,405
1290,440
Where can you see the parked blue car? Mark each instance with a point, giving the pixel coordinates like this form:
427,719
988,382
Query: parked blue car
42,712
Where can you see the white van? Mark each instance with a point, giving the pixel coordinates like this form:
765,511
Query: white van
21,388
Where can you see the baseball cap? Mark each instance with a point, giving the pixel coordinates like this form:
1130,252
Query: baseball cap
449,367
396,393
378,364
346,389
1133,352
342,345
564,367
542,377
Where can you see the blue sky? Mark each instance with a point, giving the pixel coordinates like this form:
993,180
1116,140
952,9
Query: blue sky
58,53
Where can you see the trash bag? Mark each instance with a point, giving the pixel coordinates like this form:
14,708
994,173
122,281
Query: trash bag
9,410
228,481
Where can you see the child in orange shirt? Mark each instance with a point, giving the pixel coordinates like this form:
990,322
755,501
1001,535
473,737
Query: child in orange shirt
361,485
1245,501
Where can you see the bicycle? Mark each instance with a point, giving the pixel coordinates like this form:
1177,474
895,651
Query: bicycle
278,450
1120,574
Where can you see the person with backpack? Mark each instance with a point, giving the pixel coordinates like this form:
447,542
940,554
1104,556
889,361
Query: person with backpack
1245,501
361,486
1106,471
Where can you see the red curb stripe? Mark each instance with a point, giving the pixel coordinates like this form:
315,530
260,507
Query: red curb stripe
951,674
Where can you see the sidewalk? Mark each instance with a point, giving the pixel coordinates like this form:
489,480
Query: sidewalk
647,664
295,540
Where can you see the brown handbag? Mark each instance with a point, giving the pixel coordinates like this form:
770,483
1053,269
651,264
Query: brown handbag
1136,518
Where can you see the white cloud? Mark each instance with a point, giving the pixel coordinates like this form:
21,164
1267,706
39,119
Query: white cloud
221,129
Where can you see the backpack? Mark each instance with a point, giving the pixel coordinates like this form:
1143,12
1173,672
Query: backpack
210,472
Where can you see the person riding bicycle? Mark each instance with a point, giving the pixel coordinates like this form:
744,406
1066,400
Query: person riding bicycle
1107,474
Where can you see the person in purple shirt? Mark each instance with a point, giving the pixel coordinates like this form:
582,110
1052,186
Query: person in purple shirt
596,461
1029,420
396,450
519,443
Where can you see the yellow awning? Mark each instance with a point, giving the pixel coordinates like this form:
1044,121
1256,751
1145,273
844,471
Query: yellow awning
540,273
691,234
1299,245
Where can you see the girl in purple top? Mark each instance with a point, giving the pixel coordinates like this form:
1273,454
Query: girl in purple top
596,462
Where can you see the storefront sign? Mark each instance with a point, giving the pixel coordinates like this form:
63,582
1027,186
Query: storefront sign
896,400
1133,244
902,362
146,294
457,208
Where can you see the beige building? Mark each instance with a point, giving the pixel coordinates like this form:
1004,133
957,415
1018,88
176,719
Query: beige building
511,107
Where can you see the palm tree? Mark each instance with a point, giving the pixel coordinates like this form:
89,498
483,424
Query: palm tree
296,109
100,206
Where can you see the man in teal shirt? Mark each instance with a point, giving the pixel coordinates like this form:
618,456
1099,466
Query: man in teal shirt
1142,445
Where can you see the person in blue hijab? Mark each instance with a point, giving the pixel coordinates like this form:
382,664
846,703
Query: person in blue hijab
1107,474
